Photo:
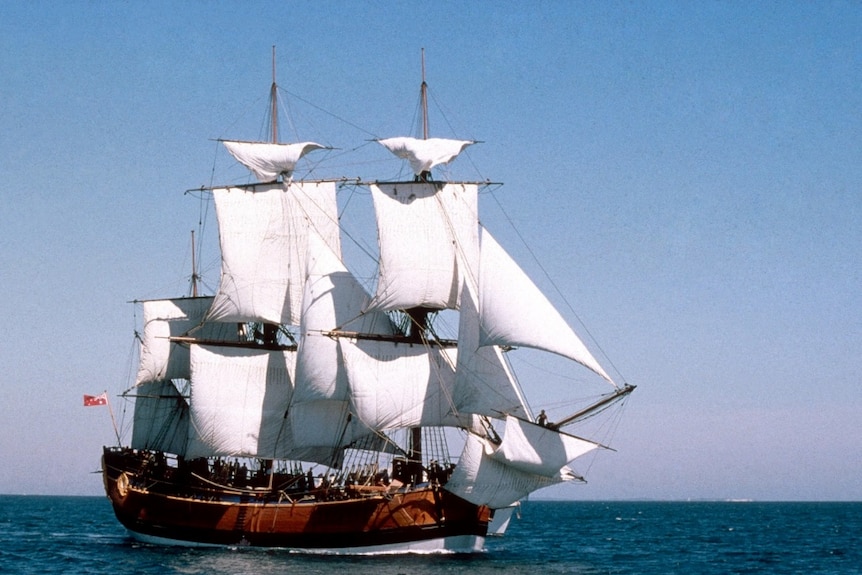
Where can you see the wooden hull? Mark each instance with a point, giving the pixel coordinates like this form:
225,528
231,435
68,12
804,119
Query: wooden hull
424,519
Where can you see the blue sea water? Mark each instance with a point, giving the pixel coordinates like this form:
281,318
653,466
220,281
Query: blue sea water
72,535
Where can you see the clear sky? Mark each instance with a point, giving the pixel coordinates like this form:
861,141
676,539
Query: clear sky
689,173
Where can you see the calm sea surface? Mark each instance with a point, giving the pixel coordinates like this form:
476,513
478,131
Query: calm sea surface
72,535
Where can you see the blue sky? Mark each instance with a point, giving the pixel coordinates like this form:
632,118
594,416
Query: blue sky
688,173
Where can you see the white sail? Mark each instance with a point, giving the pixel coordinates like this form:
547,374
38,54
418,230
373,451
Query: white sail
239,397
398,385
320,430
318,413
428,235
161,419
483,480
319,424
333,299
484,384
162,358
425,154
531,448
269,161
371,388
263,233
314,431
514,312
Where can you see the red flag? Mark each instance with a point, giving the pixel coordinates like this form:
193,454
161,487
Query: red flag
91,400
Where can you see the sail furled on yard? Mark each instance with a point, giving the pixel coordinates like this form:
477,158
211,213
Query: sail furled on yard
269,161
428,236
528,458
263,234
161,418
162,358
514,312
424,154
239,397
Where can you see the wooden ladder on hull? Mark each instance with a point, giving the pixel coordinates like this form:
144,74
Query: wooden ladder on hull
239,525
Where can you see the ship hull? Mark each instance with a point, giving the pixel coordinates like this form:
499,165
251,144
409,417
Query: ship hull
421,520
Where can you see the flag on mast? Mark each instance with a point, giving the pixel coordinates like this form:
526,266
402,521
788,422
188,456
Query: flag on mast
91,400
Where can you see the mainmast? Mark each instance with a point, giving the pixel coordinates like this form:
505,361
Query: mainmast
419,315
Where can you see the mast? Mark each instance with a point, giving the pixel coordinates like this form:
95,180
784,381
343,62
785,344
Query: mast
273,99
424,93
419,315
269,331
195,276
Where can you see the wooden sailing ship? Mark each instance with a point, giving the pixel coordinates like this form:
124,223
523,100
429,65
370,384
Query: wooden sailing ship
295,409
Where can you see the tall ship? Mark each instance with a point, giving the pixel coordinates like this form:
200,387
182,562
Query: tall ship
298,407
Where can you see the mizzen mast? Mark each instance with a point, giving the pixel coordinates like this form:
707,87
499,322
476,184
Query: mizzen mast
195,276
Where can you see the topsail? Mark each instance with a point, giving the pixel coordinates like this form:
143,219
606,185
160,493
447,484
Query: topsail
429,243
161,357
263,232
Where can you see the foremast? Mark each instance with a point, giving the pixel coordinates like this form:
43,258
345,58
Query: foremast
419,315
273,102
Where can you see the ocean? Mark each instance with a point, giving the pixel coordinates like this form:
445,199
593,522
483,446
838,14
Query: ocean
72,535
